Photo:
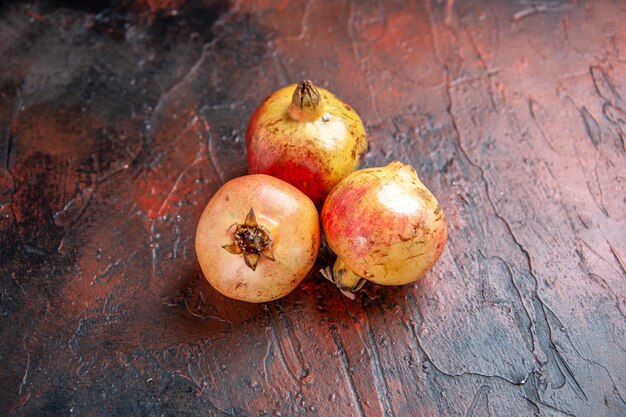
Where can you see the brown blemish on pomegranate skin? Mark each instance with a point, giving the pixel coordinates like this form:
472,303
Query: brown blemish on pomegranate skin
313,249
424,195
274,122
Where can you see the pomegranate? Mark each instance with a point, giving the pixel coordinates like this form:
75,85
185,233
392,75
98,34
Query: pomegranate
384,225
257,238
306,136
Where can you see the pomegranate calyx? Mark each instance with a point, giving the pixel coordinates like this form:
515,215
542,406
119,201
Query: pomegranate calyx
306,95
347,281
251,240
306,102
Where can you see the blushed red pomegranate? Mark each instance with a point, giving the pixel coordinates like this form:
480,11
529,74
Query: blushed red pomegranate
384,225
306,136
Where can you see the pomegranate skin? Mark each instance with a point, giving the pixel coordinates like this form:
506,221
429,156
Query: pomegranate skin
384,225
312,140
285,215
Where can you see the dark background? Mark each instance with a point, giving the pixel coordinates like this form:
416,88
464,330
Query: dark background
119,120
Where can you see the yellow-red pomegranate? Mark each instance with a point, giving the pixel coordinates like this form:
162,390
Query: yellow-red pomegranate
384,225
306,136
257,238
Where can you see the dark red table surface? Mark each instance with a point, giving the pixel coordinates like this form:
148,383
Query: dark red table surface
118,122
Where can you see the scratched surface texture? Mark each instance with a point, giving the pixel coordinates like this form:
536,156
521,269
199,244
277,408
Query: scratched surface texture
118,121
